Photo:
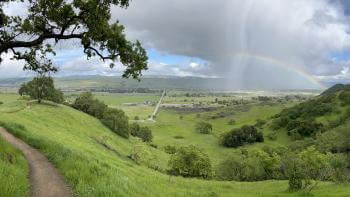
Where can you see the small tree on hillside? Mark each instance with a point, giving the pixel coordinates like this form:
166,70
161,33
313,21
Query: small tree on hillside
190,162
41,88
144,133
117,121
204,127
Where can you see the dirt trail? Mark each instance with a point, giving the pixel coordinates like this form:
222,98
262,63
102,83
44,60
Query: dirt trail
45,180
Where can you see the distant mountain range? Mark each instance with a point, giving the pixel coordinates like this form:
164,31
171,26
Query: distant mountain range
151,82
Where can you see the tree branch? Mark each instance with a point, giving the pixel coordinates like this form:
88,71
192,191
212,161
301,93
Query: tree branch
18,44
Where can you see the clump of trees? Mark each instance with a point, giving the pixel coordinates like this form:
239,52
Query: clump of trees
241,136
114,119
345,98
41,88
204,127
303,128
299,120
85,102
144,133
301,168
190,161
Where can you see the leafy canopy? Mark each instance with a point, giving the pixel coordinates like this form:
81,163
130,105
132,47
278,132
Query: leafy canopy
41,88
32,34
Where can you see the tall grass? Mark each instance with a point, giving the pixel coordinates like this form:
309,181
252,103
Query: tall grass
13,172
95,161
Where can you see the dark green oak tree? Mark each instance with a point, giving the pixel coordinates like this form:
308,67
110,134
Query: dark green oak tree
33,33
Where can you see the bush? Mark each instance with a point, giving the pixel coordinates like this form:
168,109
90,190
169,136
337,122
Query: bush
179,137
145,134
143,155
170,149
272,136
260,123
231,122
142,132
134,128
1,102
250,166
204,127
85,102
117,121
239,137
190,162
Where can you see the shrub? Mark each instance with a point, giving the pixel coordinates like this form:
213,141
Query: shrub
1,102
190,162
179,137
231,122
143,155
117,121
250,166
141,132
134,128
145,134
204,127
154,145
85,102
260,123
238,137
170,149
136,118
272,136
181,117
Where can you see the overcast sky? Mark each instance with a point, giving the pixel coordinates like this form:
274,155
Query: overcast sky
293,43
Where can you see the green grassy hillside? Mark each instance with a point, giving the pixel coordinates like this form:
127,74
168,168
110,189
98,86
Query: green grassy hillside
323,113
13,172
96,162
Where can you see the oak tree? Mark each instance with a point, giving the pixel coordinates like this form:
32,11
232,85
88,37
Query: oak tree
33,33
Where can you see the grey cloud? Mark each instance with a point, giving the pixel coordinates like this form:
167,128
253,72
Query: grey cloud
299,32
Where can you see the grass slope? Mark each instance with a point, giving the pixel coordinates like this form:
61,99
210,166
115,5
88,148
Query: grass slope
13,171
95,161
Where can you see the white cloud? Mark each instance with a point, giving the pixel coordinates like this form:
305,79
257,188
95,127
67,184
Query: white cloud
11,68
194,64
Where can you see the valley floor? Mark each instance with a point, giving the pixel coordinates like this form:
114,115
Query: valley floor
95,162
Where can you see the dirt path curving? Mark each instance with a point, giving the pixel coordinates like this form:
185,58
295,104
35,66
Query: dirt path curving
44,178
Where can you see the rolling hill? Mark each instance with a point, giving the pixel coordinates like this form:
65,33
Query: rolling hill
96,162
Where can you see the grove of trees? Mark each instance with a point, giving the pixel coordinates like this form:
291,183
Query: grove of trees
241,136
114,119
301,168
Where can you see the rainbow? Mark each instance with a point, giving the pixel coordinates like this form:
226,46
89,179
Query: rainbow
279,63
